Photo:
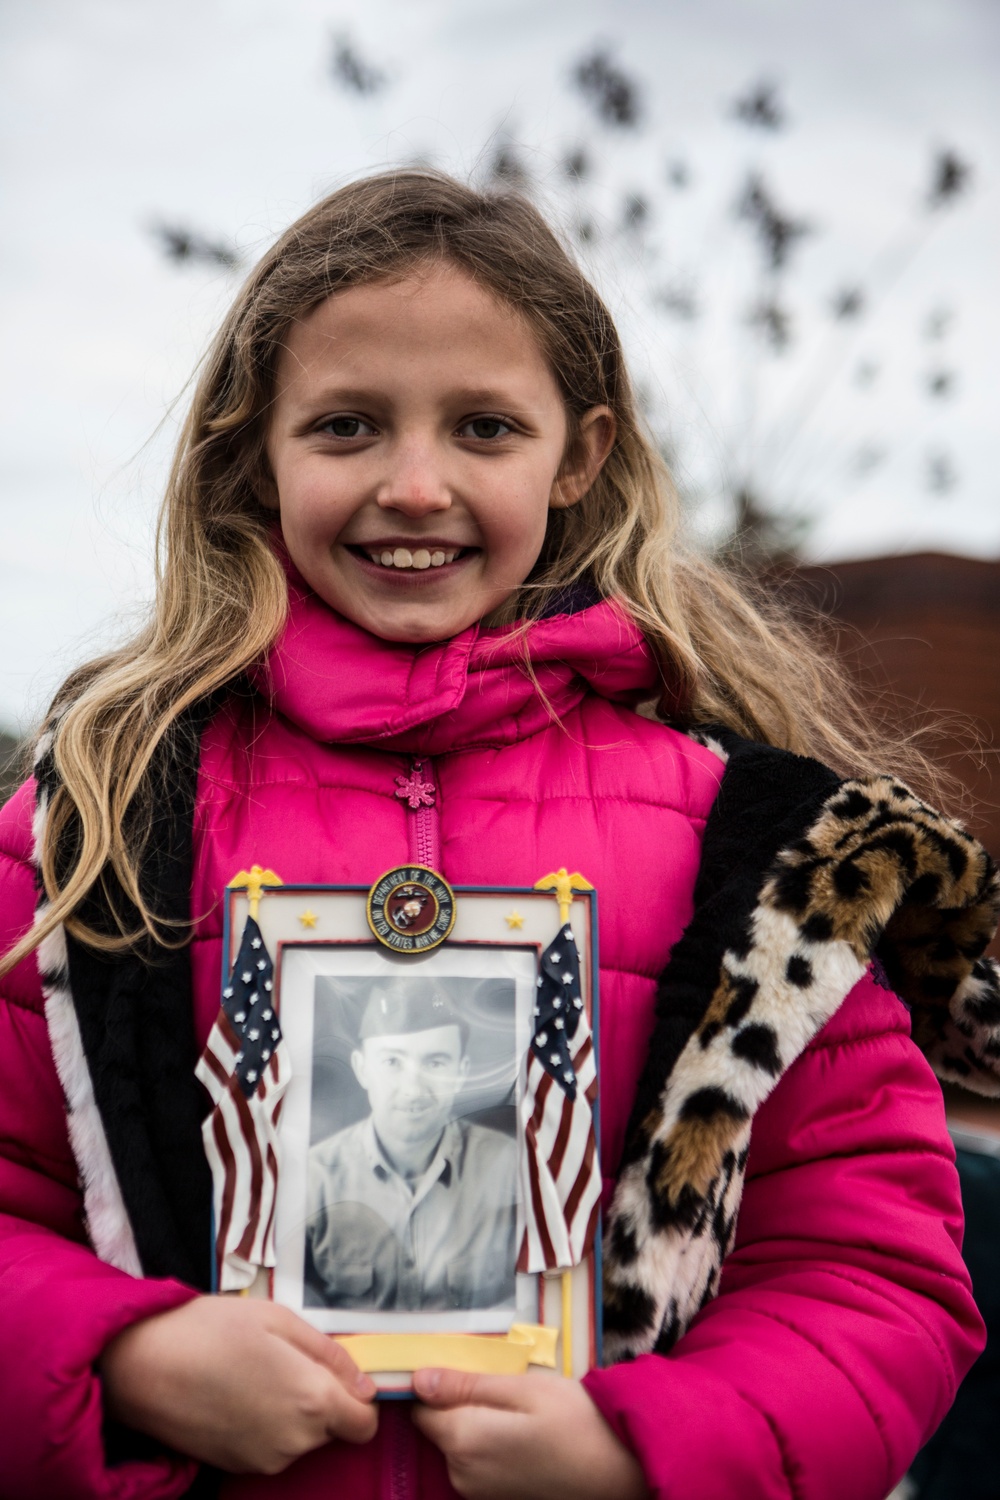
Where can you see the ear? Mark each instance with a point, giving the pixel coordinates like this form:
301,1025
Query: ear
267,490
358,1064
595,438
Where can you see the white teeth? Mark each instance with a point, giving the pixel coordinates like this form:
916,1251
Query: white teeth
402,557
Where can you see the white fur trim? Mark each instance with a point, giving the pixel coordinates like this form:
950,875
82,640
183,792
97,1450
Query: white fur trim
104,1209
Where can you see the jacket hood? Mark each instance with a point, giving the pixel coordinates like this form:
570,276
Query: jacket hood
484,687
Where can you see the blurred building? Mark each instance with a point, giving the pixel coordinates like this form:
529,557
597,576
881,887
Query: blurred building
924,634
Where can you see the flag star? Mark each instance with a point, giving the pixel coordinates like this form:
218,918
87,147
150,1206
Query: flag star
253,998
266,1015
227,993
239,1057
537,1010
578,1002
255,943
541,1039
567,979
540,981
554,957
554,1058
568,1077
240,1015
251,1075
275,1033
268,985
556,1003
262,964
266,1053
246,977
559,1023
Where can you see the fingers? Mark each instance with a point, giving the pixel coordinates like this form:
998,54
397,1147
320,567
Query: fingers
325,1351
354,1421
447,1388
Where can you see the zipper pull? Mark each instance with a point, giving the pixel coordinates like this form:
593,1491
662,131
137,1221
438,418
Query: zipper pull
414,790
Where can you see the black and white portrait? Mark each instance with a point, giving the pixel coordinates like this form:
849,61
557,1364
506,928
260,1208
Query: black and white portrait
412,1164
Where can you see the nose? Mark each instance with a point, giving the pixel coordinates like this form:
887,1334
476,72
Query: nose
414,483
413,1083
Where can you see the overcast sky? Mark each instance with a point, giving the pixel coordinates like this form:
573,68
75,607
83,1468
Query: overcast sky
222,116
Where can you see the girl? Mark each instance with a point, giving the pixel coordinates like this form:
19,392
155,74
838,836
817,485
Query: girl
414,534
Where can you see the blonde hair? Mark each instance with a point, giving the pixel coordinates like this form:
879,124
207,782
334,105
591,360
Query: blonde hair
221,596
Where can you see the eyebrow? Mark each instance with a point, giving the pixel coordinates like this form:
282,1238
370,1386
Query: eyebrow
473,397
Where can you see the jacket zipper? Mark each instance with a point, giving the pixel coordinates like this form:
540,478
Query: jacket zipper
419,791
399,1462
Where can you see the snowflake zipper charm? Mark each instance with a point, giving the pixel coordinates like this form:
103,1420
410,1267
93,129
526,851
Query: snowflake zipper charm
413,790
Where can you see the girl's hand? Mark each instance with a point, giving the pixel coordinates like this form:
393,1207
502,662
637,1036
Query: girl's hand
524,1437
236,1382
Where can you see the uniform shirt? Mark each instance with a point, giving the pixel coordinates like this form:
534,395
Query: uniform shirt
446,1241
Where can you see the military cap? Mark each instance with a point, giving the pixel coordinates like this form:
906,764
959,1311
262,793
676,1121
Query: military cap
401,1005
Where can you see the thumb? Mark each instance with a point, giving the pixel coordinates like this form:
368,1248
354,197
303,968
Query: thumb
444,1388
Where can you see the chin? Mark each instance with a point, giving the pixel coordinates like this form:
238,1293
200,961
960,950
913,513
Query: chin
420,632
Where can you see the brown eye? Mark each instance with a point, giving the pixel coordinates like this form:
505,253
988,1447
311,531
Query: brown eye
485,428
346,427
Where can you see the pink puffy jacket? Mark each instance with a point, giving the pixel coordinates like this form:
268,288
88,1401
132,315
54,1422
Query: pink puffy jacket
844,1322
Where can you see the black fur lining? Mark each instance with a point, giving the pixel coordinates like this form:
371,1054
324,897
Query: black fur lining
766,799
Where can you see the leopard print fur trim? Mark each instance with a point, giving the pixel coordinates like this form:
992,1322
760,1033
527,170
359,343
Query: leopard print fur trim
876,872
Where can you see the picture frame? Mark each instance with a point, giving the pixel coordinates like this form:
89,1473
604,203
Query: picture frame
413,1182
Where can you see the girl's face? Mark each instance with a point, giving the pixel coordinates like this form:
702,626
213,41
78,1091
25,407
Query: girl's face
416,445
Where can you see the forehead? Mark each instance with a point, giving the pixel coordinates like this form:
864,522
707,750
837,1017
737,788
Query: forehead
436,314
433,1040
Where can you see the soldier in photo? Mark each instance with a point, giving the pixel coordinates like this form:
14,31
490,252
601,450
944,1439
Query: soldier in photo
411,1208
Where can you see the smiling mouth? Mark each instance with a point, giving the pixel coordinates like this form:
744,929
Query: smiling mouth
412,559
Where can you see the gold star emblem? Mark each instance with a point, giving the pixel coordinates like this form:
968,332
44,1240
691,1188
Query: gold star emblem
308,918
515,920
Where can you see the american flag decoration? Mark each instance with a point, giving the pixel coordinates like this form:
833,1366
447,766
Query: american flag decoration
561,1174
246,1070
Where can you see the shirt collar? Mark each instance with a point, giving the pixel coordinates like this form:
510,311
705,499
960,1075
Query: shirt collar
441,1168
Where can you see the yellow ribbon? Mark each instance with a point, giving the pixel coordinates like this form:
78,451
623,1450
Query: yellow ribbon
480,1354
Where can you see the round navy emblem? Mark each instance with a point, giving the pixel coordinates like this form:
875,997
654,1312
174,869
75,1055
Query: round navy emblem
411,909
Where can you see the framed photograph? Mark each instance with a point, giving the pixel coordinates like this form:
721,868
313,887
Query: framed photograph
410,1073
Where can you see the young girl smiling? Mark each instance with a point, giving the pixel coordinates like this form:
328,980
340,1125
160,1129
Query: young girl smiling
414,526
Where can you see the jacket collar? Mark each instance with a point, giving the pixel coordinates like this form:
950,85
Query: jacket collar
484,687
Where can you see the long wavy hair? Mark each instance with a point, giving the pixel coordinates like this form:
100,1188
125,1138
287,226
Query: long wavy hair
728,655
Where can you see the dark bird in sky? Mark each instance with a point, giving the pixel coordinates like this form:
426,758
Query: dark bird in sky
941,383
774,322
351,71
182,245
848,303
506,167
608,89
777,232
950,177
761,107
576,164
